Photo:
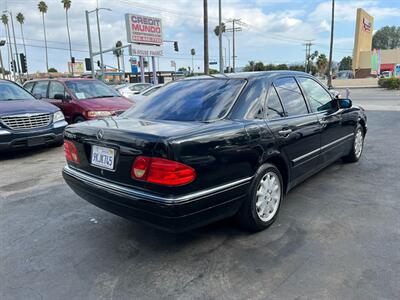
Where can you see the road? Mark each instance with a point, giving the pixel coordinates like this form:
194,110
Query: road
337,235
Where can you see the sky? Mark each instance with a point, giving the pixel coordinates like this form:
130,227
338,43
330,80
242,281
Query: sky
273,31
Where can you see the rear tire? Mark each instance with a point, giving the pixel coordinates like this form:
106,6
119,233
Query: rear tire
261,207
357,147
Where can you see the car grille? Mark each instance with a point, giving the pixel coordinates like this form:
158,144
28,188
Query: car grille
26,121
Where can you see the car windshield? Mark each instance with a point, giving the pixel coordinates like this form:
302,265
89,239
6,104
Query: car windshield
84,89
149,91
10,91
190,100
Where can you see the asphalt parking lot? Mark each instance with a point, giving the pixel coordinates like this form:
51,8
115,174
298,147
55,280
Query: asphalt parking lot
337,235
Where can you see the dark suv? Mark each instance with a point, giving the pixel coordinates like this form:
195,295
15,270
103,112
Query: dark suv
80,99
26,121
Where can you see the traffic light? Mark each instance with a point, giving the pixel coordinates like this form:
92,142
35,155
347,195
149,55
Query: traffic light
24,65
72,59
13,66
98,63
176,48
88,64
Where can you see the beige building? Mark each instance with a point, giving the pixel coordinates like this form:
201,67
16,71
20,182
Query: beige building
363,53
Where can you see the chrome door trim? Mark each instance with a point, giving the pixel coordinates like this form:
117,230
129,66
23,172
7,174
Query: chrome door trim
138,194
322,148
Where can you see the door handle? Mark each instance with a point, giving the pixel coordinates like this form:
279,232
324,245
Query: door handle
285,132
323,122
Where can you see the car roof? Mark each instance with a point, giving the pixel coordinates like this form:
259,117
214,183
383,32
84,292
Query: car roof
62,79
251,75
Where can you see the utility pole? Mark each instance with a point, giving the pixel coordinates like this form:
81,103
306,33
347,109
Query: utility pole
331,46
308,54
205,19
233,30
221,60
90,43
15,47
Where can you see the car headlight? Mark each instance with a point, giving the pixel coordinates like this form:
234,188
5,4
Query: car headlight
102,113
58,116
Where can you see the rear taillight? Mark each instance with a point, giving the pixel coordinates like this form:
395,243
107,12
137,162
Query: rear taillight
162,171
71,153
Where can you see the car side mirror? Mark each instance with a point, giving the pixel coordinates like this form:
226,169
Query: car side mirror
37,96
345,103
59,97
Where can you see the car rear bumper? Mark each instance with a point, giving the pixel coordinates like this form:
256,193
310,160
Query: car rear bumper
21,139
175,214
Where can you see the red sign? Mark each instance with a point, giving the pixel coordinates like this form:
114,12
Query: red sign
143,30
366,25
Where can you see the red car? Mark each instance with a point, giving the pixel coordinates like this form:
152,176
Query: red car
80,99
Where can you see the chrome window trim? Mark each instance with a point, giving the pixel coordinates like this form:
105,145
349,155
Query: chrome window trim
322,148
130,192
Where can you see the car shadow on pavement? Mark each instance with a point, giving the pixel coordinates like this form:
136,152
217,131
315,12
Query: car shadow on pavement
22,153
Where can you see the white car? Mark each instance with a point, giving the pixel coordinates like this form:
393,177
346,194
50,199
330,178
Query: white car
130,89
146,92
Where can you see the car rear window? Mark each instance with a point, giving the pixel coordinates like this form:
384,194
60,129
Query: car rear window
190,100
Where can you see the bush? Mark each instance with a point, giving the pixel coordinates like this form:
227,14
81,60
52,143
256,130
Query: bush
392,83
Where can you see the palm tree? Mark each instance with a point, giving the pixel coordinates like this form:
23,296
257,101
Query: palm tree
4,19
322,63
20,18
42,6
67,6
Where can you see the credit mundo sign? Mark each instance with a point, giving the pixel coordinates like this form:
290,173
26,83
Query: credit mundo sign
143,30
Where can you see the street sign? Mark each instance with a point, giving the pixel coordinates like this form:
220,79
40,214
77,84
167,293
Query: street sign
143,30
213,63
173,64
145,50
78,68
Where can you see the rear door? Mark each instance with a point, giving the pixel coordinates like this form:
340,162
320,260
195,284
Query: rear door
296,129
40,88
336,132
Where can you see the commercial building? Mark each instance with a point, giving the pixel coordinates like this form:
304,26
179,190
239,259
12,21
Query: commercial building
369,62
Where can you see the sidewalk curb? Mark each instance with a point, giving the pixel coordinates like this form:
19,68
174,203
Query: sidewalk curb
357,87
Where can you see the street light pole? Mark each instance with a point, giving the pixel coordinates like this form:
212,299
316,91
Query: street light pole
11,51
90,43
221,60
331,46
100,46
2,43
15,46
205,25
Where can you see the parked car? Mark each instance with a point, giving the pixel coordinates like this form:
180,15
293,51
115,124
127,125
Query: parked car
344,74
130,89
27,122
207,148
386,74
80,99
146,92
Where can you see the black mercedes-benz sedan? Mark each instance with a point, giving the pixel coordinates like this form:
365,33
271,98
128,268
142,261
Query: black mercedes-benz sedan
206,148
27,122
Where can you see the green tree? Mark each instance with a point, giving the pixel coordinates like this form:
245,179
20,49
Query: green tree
182,69
213,71
387,37
42,6
346,63
216,29
52,70
67,6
